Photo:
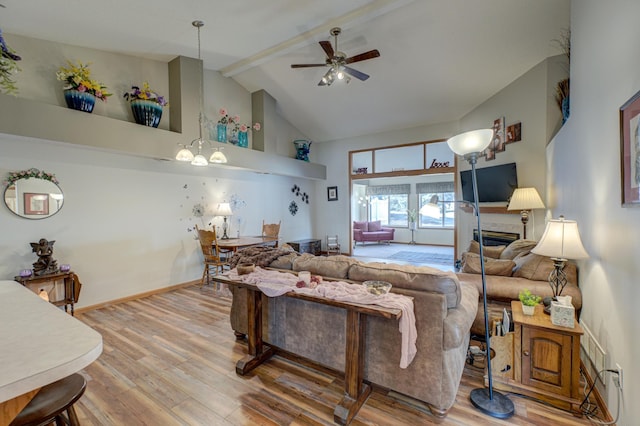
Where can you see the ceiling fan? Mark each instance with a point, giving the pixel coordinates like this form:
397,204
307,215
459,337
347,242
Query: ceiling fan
337,61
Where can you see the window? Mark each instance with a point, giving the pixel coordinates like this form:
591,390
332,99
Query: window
432,213
439,215
390,210
389,204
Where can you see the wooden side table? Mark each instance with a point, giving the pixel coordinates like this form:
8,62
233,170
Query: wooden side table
34,283
545,360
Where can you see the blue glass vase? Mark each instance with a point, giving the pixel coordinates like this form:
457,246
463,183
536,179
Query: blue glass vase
81,101
147,113
243,139
303,147
221,132
565,109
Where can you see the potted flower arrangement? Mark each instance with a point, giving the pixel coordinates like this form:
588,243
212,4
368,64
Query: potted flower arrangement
80,90
223,121
146,105
529,301
243,134
8,67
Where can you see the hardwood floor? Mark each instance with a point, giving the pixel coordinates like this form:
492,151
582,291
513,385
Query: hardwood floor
169,359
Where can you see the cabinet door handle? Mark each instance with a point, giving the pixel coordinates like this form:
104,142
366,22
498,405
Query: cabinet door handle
525,353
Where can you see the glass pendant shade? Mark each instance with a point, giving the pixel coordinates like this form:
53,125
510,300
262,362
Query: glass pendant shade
199,160
184,155
474,141
218,157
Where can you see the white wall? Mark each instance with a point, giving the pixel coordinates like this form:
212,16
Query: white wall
584,165
527,100
124,224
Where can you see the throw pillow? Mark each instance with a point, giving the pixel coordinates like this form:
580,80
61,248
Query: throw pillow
518,247
533,266
364,226
471,265
375,226
489,251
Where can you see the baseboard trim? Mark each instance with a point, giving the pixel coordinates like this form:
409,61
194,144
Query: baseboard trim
135,296
596,394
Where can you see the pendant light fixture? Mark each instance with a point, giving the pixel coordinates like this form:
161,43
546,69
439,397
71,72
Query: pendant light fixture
186,153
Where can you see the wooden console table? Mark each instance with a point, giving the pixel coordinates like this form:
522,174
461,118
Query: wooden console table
356,391
71,290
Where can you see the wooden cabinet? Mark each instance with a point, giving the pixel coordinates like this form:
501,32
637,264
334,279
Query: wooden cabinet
545,360
307,246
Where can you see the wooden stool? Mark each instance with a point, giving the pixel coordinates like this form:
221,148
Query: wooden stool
52,401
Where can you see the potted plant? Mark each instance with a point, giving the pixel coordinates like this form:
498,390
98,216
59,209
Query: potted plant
80,91
412,214
529,301
146,105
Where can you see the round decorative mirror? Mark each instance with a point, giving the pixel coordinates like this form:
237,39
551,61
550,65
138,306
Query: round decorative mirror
33,194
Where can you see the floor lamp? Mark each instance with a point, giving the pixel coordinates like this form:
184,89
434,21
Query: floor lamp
469,145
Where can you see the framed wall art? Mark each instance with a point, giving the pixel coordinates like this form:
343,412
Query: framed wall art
36,204
630,151
332,193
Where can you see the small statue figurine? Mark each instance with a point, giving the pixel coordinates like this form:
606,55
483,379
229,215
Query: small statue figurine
46,264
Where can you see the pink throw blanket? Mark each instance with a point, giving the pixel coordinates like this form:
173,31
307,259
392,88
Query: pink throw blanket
275,283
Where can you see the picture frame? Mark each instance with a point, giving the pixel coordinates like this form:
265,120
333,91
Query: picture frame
630,151
498,141
332,193
36,204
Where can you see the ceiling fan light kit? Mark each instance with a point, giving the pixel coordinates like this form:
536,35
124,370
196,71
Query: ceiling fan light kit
337,62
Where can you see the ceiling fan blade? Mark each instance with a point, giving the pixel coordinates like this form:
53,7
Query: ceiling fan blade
357,74
363,56
328,49
307,65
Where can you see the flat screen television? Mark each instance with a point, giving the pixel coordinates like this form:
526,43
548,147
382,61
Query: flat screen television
495,184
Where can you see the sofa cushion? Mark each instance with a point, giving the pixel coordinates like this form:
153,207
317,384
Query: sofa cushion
422,278
284,262
332,266
488,251
517,247
363,226
471,265
375,226
535,267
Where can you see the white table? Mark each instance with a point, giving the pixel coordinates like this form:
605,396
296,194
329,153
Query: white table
39,344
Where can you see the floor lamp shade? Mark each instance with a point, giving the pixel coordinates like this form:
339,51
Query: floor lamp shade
474,141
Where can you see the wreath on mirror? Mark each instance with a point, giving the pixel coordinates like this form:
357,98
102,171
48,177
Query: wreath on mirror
12,177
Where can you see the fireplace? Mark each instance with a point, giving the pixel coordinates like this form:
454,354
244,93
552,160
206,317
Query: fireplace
496,238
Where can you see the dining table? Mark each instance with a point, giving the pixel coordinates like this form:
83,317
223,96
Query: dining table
39,344
235,244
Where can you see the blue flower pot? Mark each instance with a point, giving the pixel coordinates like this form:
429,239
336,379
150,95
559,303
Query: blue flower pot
221,132
147,113
81,101
243,139
303,147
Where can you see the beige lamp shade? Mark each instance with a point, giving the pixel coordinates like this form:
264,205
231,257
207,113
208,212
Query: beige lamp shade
474,141
224,209
525,199
561,240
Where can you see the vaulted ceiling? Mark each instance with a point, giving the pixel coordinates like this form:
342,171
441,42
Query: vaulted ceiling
439,58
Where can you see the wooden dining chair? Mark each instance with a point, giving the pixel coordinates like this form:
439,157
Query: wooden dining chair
271,230
211,253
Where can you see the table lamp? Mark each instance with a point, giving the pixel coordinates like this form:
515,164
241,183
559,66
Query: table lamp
561,242
470,145
224,210
525,200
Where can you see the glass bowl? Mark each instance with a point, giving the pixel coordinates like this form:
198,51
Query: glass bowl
377,287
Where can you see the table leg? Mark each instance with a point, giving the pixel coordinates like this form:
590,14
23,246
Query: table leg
356,391
258,351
